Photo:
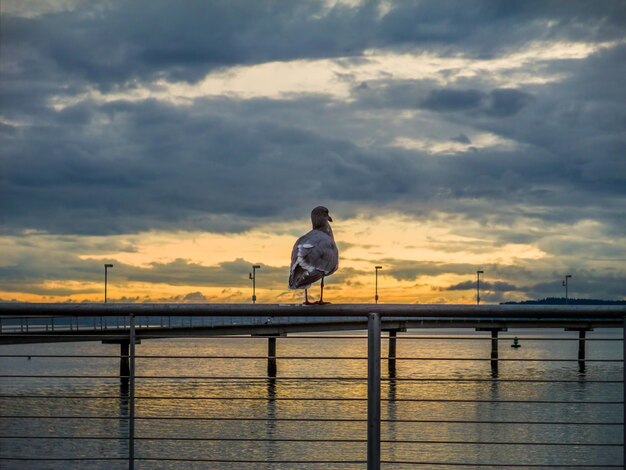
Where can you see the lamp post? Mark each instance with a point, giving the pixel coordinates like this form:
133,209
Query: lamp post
478,273
106,267
253,277
376,268
567,276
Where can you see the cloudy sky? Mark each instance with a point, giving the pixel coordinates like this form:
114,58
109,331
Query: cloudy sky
184,141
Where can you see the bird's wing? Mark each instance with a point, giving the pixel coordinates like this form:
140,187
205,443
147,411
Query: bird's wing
314,255
324,256
315,251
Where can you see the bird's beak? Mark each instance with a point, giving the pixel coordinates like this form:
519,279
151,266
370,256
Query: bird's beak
330,219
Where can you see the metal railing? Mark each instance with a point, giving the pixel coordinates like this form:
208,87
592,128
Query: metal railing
393,319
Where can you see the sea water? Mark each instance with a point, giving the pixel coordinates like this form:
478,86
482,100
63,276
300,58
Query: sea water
280,423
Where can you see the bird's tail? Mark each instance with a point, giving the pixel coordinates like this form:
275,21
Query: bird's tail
302,279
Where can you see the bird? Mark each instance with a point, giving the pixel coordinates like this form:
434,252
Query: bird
314,255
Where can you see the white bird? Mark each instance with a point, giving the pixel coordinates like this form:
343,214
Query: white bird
314,255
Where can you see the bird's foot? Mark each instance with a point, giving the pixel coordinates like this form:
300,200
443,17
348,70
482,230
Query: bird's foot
306,302
321,302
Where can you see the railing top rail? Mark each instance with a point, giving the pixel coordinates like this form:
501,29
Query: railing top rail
595,312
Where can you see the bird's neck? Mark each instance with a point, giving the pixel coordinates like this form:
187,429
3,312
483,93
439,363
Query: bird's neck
325,228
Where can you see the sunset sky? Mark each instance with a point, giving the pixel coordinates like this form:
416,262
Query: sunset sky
185,141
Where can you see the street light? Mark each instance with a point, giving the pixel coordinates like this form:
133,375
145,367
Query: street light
567,276
478,273
253,277
106,266
376,268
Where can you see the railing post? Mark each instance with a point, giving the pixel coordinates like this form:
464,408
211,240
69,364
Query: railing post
373,391
131,393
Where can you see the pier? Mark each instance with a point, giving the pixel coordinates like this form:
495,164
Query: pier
132,324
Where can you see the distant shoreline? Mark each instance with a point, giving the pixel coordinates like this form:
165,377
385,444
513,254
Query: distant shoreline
562,301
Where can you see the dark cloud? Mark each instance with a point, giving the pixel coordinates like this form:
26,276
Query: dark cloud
155,165
452,100
585,283
117,44
506,102
491,27
502,282
424,94
496,286
31,274
127,167
462,139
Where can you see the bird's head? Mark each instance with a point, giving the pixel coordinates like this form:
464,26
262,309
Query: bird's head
320,217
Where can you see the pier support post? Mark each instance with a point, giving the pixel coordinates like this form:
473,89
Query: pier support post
124,355
582,343
392,353
494,351
272,367
494,346
271,356
582,336
124,360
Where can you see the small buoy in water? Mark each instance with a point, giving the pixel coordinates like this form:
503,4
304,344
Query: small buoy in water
516,343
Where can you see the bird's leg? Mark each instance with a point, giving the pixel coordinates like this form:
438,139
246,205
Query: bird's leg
321,300
306,298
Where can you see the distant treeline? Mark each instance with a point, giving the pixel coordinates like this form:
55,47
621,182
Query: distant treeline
561,301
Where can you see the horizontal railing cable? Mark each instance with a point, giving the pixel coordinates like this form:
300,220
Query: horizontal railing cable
313,440
315,379
424,400
63,459
320,358
491,465
399,358
321,420
302,462
174,459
